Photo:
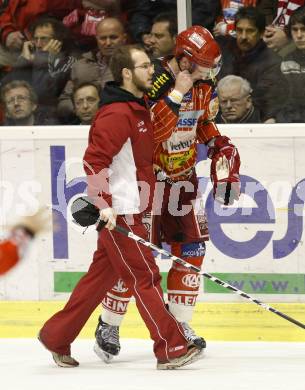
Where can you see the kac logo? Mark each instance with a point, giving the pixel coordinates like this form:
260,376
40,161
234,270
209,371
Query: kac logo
191,280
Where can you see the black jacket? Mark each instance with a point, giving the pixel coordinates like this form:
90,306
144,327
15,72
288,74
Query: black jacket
292,67
252,116
261,67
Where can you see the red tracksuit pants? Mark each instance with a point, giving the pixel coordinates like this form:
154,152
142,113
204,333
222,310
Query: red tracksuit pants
118,256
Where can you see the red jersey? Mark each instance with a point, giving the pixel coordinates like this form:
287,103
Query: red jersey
176,134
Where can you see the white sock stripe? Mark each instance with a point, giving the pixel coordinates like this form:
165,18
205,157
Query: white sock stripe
118,298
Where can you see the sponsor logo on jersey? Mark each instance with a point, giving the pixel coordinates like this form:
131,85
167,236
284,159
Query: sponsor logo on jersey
189,118
181,146
187,122
161,83
194,249
191,280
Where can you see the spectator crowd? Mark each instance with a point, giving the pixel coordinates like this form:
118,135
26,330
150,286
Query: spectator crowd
54,55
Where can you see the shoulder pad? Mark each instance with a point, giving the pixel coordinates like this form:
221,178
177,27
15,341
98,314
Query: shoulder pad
162,81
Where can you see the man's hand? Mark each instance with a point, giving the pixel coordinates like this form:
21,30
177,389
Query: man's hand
53,47
108,215
184,82
27,51
14,40
275,38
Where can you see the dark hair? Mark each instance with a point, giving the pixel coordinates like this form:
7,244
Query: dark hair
77,86
17,84
120,59
171,18
298,16
61,32
253,14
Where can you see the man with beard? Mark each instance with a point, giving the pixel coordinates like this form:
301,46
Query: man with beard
163,35
118,158
248,56
184,105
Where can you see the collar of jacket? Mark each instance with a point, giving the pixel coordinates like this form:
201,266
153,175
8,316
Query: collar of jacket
113,93
250,55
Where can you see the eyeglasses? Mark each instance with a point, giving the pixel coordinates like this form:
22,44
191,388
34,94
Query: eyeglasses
18,99
145,66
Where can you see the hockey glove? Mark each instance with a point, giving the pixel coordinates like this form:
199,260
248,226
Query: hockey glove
225,170
84,212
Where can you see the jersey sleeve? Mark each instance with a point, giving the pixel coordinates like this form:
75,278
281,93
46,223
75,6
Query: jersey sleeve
165,115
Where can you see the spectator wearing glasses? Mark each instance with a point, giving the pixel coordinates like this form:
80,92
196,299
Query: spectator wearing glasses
86,99
235,101
45,61
93,66
20,105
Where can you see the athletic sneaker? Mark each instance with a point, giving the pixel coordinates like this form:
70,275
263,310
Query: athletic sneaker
192,355
60,360
107,343
191,336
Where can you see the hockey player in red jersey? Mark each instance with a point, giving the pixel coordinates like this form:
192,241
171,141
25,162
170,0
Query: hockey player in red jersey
184,105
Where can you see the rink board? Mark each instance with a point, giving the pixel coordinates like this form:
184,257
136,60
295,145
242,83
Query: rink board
215,321
257,245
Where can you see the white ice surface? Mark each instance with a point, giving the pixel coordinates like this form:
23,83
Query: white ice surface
26,365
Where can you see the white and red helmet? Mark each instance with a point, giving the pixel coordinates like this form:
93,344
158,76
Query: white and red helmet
199,46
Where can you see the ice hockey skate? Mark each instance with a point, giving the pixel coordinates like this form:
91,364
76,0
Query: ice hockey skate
192,355
191,336
107,344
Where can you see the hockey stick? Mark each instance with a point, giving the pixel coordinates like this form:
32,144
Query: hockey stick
84,210
222,283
